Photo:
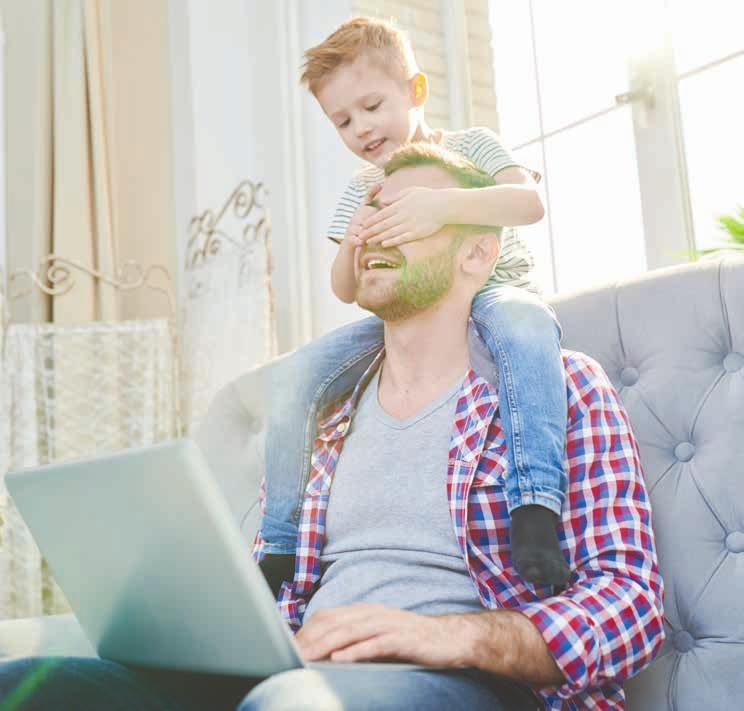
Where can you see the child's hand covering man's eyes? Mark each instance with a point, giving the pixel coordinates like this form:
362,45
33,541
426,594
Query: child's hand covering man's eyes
413,213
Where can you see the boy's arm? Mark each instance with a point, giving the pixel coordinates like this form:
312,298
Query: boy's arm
419,212
514,201
343,271
343,277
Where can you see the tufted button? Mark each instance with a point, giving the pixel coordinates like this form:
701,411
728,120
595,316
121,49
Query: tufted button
735,542
733,362
629,376
683,641
684,451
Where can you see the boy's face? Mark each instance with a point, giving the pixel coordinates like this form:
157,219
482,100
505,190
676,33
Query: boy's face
373,112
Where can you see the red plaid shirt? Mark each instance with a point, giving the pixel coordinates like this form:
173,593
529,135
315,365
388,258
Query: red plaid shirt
607,625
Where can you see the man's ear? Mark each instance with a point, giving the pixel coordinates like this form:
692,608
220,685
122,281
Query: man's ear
419,89
482,254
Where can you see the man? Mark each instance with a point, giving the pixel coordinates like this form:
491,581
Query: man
390,568
403,552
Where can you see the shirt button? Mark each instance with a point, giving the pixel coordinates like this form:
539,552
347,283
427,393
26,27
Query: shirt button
342,427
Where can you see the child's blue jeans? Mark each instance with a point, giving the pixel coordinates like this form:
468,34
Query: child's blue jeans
523,336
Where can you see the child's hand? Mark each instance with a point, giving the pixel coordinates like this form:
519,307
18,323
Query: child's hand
414,213
352,237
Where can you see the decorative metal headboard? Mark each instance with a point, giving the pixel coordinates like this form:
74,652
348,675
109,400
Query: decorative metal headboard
55,277
207,236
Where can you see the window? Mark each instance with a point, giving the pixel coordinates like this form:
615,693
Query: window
629,111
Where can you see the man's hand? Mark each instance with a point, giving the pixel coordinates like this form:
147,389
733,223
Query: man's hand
503,642
413,213
374,632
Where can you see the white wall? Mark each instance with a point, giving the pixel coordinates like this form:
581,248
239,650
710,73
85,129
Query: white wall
329,166
239,112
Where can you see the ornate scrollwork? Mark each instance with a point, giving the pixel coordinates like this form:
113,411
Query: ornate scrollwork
207,236
56,277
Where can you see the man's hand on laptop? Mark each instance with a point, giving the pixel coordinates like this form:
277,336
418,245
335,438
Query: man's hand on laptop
499,641
362,632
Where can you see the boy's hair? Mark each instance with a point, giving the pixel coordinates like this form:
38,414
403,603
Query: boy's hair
465,173
381,40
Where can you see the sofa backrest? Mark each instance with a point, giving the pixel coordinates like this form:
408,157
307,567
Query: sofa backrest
672,343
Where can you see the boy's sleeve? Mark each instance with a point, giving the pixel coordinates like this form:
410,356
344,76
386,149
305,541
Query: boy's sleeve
350,200
483,147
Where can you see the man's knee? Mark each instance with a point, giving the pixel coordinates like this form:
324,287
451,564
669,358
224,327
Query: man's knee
296,690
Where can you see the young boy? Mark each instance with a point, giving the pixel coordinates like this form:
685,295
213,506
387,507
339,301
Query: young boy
365,79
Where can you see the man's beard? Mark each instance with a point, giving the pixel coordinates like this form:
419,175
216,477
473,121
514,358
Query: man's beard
418,286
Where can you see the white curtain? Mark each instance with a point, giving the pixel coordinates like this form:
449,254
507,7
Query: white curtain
81,182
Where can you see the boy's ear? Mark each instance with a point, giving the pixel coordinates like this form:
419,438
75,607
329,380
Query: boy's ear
419,89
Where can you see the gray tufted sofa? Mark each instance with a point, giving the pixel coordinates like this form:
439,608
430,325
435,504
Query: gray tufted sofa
672,342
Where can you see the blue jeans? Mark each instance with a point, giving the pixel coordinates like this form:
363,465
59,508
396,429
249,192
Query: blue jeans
523,336
49,684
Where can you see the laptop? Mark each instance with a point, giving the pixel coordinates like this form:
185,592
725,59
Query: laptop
144,546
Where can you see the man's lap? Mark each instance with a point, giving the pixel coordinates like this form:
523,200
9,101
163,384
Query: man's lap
354,689
94,684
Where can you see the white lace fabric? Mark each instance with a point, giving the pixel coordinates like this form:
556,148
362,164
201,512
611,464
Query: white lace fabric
75,391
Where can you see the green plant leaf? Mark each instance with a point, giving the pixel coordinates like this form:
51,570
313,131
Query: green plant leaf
732,227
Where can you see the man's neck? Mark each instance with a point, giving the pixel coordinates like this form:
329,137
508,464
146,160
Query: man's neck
425,355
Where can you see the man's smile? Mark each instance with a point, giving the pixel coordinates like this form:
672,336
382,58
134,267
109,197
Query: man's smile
378,261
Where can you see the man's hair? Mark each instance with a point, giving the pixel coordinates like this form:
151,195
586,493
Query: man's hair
465,173
382,41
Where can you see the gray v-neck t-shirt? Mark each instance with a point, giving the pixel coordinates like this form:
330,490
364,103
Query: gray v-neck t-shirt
389,533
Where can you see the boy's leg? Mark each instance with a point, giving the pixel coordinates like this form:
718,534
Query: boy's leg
357,689
300,384
524,337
